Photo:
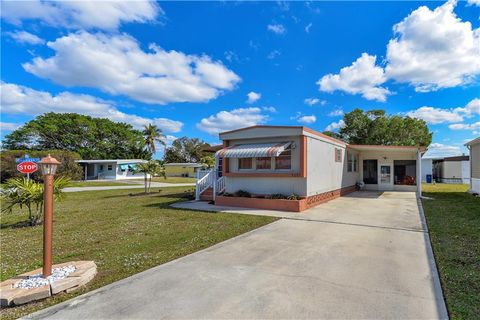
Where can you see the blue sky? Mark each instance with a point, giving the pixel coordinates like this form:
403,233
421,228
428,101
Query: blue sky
199,68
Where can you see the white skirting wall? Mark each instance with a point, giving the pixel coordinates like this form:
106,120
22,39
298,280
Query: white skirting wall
475,186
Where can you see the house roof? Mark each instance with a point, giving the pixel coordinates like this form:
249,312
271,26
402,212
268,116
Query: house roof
118,161
457,158
301,131
370,147
180,164
474,141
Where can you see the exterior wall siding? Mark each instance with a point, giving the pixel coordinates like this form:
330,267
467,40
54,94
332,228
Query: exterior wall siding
475,159
427,168
323,172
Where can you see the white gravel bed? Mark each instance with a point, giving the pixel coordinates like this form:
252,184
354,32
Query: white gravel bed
37,280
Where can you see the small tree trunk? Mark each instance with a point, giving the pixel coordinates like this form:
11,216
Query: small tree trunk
146,185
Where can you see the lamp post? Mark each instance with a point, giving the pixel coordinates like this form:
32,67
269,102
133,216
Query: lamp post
48,167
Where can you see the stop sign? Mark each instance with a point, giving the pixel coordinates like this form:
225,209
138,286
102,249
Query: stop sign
27,167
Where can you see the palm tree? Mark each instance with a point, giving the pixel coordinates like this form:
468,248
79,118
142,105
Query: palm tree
152,134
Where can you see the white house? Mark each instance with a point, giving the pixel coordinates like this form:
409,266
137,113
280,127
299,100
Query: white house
474,147
427,168
452,169
275,161
115,169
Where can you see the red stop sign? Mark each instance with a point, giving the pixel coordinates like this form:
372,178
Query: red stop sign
27,167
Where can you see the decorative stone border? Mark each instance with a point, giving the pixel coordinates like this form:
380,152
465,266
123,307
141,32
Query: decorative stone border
84,272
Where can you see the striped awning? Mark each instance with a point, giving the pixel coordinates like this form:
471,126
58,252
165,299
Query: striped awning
254,150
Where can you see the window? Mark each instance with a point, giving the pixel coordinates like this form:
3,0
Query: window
338,155
101,168
109,167
351,162
370,172
405,172
244,163
264,163
284,160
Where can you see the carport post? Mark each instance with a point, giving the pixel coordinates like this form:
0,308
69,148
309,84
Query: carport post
419,173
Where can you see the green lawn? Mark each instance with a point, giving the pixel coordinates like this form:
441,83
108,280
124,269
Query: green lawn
453,218
174,180
123,234
129,182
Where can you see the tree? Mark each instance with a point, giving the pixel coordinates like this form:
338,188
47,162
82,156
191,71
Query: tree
208,161
376,127
185,150
152,134
92,138
150,169
22,192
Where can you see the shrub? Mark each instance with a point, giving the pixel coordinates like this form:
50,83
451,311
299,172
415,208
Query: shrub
69,168
293,197
277,196
28,193
243,194
227,194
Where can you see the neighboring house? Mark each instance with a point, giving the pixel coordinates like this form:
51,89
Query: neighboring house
295,160
115,169
182,169
452,169
427,169
474,147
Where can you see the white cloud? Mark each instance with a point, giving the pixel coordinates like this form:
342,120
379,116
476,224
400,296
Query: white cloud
434,49
362,77
276,28
273,54
314,101
438,115
307,119
231,120
253,97
15,99
117,65
442,150
472,108
336,113
335,126
107,15
435,115
474,2
269,109
307,27
465,126
9,126
25,37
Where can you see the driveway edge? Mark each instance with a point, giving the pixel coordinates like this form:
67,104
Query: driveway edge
437,284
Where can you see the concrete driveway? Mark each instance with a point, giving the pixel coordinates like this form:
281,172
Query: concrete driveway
362,256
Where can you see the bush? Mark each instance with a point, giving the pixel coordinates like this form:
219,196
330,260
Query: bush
68,168
243,194
293,197
227,194
276,196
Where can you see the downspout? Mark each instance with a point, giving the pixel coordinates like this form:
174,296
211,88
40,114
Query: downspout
471,166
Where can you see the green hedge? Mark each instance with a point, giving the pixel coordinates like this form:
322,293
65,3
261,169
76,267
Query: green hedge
68,168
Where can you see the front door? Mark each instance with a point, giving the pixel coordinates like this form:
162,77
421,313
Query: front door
385,177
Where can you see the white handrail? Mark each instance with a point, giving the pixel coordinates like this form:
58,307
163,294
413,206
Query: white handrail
204,183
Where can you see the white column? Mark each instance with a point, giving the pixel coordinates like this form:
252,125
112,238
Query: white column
419,173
